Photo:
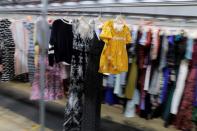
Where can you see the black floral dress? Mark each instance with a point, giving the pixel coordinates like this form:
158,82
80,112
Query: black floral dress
73,112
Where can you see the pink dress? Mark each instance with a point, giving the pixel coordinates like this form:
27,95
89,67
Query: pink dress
53,83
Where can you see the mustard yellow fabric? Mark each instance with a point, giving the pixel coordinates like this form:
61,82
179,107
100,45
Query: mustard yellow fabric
114,58
132,80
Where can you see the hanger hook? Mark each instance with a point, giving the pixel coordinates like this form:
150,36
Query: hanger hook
120,11
100,11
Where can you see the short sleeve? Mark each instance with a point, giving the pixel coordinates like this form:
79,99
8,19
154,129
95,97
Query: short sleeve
128,36
106,34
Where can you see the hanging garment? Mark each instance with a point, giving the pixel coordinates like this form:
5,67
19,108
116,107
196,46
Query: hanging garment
132,80
61,42
194,115
53,89
20,36
164,91
110,97
92,92
130,109
30,27
180,85
164,51
114,57
120,84
147,78
31,51
152,100
172,77
189,49
142,62
7,45
156,72
155,82
184,116
176,53
83,33
155,45
155,95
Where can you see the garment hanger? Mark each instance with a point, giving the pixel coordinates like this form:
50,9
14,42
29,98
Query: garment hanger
119,22
83,20
99,21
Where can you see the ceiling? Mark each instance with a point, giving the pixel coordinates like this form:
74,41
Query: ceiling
25,2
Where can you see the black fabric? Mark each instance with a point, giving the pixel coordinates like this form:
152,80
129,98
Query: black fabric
92,89
62,41
8,48
74,107
176,52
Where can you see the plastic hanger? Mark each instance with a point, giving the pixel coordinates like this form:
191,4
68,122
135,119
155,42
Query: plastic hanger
119,22
99,21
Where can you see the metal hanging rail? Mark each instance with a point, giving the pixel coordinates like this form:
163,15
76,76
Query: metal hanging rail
153,9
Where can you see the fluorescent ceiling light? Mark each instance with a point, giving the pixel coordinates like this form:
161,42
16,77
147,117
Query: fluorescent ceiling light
55,4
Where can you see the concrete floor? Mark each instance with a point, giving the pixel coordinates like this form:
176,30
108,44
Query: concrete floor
18,116
11,120
113,118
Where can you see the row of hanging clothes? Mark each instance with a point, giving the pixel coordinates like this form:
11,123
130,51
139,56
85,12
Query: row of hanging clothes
150,70
20,56
72,58
161,80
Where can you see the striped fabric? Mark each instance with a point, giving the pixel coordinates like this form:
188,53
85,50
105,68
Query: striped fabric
31,50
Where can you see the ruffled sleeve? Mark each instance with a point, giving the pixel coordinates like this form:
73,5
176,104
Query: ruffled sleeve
106,34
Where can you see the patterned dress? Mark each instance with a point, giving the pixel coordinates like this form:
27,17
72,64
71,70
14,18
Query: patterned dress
7,45
73,112
53,89
31,51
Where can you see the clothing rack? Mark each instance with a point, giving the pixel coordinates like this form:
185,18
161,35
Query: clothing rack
161,20
186,10
151,9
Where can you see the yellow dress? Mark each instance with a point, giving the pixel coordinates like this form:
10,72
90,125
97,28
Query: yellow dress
114,57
